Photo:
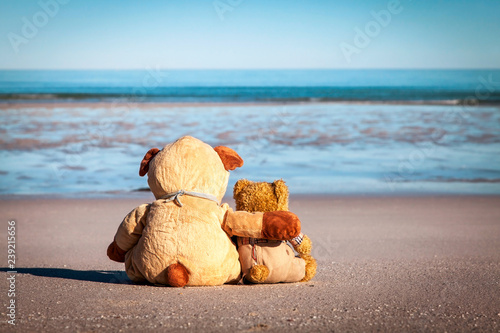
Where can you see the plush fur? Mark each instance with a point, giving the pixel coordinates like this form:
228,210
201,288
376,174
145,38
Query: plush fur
143,170
271,262
229,158
115,253
279,227
187,242
177,275
305,247
311,266
258,274
261,196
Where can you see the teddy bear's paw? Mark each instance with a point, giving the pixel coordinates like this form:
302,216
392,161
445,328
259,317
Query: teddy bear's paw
280,225
258,274
305,247
311,266
115,253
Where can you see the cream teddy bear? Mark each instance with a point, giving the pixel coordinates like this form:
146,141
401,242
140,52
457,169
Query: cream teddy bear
183,237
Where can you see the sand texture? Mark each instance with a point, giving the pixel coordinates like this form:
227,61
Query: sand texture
385,264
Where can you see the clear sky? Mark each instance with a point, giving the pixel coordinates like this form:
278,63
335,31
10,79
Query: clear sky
126,34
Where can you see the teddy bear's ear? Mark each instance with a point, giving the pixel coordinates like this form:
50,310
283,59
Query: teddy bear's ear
281,192
229,157
239,186
145,161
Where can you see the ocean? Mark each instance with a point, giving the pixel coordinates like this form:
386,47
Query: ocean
152,85
366,132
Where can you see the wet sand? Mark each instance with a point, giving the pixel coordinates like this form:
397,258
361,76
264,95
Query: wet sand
387,264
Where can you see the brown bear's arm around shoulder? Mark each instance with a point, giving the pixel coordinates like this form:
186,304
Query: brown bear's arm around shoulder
277,225
128,233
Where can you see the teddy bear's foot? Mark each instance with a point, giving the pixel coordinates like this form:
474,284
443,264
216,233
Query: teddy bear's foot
311,266
258,274
305,247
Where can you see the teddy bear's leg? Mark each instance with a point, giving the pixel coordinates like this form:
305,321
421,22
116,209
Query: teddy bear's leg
285,267
280,259
311,266
251,267
296,270
175,275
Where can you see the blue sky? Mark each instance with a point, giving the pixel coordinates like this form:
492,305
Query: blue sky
123,34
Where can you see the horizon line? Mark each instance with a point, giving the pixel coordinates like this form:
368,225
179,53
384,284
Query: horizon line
250,69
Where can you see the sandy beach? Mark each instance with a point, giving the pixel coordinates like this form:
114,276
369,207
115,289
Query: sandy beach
382,118
385,264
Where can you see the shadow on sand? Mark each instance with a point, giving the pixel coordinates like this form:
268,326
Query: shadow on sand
114,277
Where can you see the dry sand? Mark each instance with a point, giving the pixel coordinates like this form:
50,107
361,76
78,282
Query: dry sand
385,264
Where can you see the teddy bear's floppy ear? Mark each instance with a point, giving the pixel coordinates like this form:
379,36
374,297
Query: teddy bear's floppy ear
145,161
240,185
229,157
281,192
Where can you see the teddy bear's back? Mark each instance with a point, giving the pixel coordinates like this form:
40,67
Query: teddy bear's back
190,235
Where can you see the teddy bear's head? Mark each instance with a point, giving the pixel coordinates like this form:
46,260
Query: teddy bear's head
260,196
189,164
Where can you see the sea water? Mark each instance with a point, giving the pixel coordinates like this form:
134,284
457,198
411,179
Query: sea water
155,85
322,148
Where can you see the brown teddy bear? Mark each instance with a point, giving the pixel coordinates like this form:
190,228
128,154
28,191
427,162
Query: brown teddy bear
183,237
271,261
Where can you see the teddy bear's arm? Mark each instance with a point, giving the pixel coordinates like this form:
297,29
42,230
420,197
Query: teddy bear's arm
277,225
128,233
